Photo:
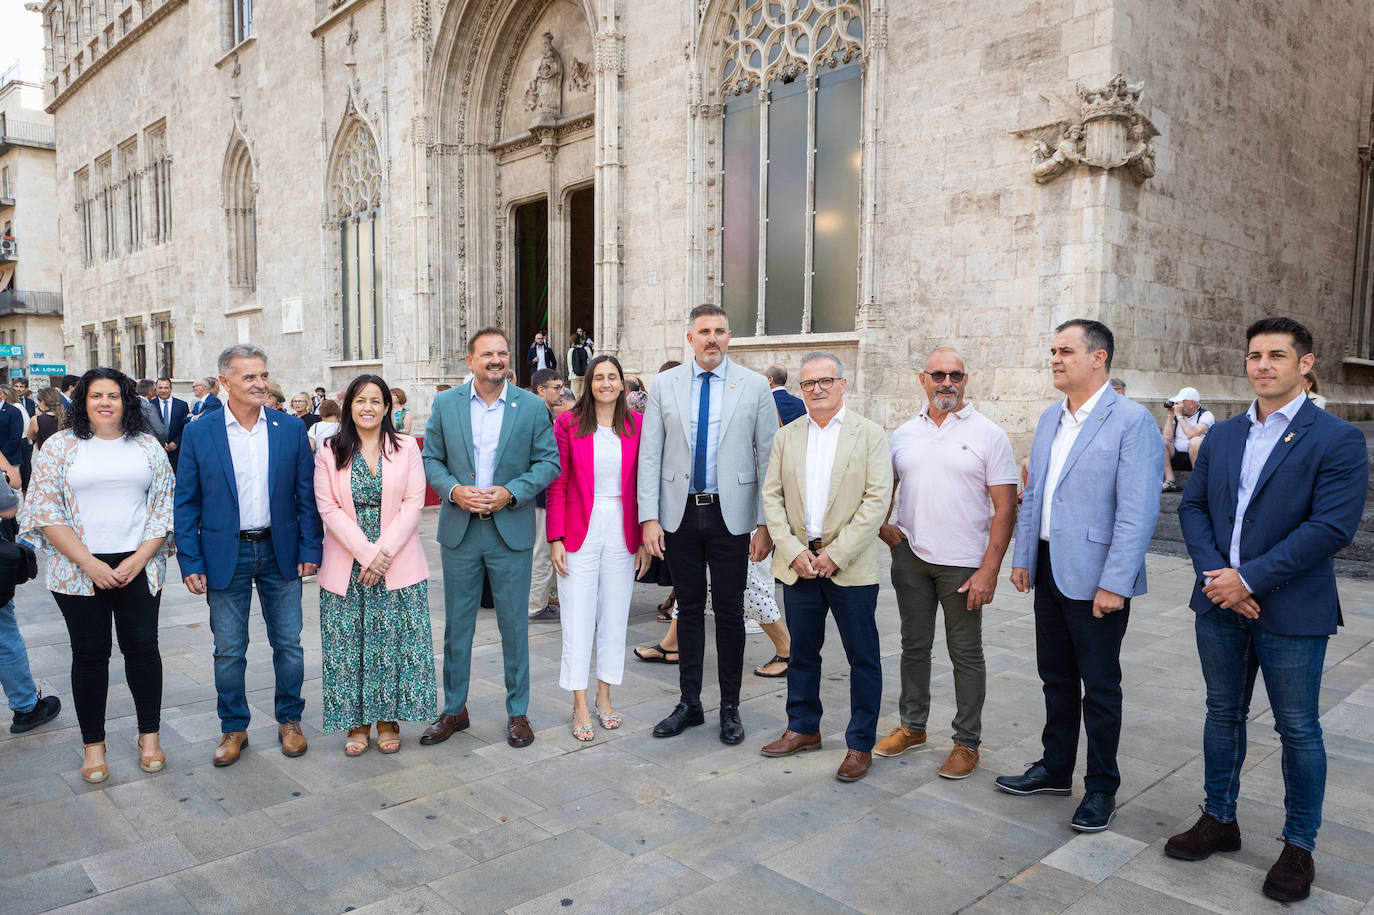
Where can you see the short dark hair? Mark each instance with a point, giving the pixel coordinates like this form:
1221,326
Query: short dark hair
541,378
164,378
19,379
1095,334
483,332
1302,337
707,311
776,374
145,386
321,390
68,382
131,423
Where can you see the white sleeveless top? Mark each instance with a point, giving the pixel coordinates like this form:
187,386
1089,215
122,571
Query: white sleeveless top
606,463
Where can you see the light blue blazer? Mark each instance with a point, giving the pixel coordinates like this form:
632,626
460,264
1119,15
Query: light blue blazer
1106,502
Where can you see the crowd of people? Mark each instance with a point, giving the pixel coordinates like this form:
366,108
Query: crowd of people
717,482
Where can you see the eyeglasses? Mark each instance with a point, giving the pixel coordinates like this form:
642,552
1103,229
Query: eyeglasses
823,383
939,377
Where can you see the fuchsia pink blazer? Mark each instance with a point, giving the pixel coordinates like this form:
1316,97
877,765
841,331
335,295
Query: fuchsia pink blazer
570,496
403,496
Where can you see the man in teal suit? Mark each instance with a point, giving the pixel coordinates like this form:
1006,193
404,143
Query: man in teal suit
489,450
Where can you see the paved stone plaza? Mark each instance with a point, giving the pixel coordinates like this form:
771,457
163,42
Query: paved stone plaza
630,823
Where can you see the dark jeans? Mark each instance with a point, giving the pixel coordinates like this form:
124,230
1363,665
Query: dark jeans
1073,648
701,542
806,603
1232,649
134,611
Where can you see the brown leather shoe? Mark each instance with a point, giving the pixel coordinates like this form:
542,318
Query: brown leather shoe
960,762
291,739
899,740
1290,879
518,731
1207,835
854,767
791,742
444,726
230,746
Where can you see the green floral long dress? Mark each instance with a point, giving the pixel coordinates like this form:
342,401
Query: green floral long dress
378,651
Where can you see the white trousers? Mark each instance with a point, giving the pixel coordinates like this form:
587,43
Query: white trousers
541,569
594,600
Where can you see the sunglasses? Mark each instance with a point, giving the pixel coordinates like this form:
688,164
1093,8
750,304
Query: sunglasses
939,377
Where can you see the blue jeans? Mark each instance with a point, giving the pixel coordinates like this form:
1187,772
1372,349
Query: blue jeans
1232,649
281,611
15,677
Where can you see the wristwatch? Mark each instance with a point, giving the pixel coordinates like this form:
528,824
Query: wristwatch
512,503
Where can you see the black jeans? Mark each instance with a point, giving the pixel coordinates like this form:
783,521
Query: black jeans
703,542
135,612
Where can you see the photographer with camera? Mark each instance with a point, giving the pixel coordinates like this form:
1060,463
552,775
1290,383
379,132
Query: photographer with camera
1183,432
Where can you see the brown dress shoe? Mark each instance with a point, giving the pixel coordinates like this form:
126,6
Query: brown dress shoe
230,746
291,739
1290,879
855,766
899,740
791,742
960,762
1207,835
444,726
518,731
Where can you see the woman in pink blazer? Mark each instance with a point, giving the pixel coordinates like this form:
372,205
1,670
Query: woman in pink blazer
374,603
593,530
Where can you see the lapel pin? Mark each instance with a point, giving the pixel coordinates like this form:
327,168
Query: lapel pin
1289,437
274,422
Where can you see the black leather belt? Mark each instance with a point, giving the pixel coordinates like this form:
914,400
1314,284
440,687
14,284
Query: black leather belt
704,498
481,516
256,535
814,546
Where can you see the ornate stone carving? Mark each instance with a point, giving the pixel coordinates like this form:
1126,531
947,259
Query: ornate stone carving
1104,130
766,40
1049,163
356,181
544,94
581,76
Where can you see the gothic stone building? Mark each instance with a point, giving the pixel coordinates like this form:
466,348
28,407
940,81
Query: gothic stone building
356,185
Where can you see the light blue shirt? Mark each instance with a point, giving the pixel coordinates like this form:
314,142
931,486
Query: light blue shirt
1259,444
486,434
712,430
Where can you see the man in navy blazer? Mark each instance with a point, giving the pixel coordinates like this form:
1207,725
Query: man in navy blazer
1088,510
1275,492
245,513
175,415
789,406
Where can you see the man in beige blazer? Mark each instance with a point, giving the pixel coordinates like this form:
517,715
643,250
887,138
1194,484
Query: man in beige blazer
825,495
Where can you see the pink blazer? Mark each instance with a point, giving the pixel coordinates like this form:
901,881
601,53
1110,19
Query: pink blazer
570,496
403,497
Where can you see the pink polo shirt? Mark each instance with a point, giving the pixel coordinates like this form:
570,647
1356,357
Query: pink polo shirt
943,474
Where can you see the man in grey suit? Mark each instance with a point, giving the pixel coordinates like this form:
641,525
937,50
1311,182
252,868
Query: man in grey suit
703,452
1089,507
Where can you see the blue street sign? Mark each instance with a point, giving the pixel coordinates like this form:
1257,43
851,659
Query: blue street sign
47,370
11,349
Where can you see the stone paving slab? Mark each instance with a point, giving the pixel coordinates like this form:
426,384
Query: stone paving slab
631,823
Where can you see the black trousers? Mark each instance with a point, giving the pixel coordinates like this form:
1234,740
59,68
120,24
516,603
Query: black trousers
703,542
134,612
1075,649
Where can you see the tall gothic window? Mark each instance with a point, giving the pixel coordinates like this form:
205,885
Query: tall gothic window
92,345
85,216
109,210
166,346
1361,343
114,341
160,182
138,348
790,190
133,194
240,216
357,191
238,21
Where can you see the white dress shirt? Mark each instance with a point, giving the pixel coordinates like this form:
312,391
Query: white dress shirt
486,434
248,452
821,444
1070,424
1259,444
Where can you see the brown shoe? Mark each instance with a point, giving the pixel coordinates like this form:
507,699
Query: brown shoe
230,746
960,762
855,766
899,740
1290,879
791,742
518,731
1207,835
444,726
291,739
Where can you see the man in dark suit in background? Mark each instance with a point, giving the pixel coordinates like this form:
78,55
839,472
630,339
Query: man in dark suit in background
790,407
174,413
30,409
65,389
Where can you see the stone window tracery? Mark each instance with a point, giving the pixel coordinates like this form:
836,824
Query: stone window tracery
160,182
240,216
356,188
133,194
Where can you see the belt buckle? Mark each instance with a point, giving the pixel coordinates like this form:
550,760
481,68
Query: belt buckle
483,516
703,498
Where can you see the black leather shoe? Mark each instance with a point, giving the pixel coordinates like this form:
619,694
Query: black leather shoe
43,711
1207,835
1290,879
1037,780
1095,812
682,718
731,728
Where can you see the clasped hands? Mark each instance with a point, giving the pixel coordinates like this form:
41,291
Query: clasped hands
106,578
814,565
377,570
480,501
1224,588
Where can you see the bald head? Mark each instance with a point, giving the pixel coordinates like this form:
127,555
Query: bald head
944,380
944,354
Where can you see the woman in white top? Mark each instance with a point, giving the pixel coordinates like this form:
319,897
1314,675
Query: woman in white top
330,416
100,509
592,524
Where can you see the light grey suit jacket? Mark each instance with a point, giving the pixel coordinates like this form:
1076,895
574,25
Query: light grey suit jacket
748,421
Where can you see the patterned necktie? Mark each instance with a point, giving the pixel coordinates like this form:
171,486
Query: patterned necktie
703,426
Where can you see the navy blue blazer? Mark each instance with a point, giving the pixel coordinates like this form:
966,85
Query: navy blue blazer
1306,506
11,433
790,407
180,417
207,500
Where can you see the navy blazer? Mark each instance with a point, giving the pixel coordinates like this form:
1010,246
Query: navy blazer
12,433
1306,506
207,500
180,417
790,407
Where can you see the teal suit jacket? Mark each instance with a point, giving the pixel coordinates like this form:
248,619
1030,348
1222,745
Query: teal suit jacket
526,461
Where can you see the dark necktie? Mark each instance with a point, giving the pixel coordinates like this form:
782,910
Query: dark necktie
703,426
167,413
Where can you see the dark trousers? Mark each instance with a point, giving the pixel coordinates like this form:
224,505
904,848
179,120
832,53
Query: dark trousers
702,542
806,603
1075,649
134,611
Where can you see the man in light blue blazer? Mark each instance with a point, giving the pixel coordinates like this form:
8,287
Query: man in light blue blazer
489,450
1089,507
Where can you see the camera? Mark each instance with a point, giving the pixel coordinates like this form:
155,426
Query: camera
1169,404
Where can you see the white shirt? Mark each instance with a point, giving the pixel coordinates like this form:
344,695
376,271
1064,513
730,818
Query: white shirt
606,458
486,434
1070,424
321,431
248,452
1259,444
821,445
110,482
944,472
1201,417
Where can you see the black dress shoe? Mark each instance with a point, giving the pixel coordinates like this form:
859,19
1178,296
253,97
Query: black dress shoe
731,728
43,711
1095,812
1207,835
1290,879
682,718
1037,780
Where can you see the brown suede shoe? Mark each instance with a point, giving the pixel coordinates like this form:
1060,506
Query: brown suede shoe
230,746
960,762
791,742
1290,879
291,739
518,731
1207,835
444,726
899,740
854,767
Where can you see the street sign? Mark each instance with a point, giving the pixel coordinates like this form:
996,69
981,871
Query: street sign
11,349
47,370
16,373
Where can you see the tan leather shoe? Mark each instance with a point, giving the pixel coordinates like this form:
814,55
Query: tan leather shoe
444,726
150,760
518,731
960,762
100,771
791,742
899,740
855,766
230,746
291,739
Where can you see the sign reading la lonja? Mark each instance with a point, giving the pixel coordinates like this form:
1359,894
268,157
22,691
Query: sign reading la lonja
47,369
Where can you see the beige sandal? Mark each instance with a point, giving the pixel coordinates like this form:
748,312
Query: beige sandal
150,762
388,737
97,773
359,739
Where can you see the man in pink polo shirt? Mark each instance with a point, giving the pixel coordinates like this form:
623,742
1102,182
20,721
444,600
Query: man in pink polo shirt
947,547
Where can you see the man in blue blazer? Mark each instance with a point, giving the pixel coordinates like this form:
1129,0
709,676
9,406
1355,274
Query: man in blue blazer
175,415
489,450
245,512
1088,510
790,407
1275,492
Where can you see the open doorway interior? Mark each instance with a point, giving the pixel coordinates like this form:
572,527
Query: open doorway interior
531,282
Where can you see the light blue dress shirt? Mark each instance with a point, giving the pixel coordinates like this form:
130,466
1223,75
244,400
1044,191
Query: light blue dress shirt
713,430
486,434
1259,444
